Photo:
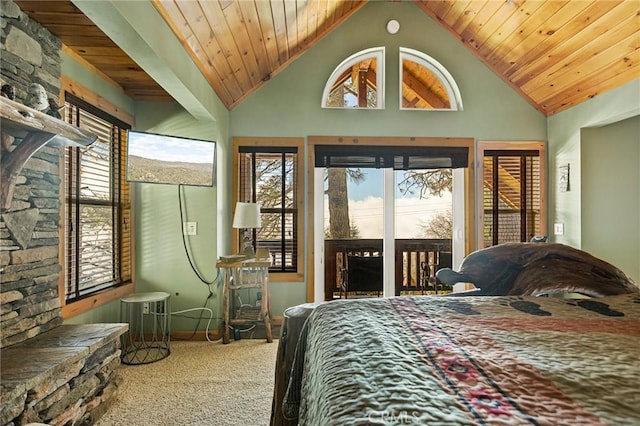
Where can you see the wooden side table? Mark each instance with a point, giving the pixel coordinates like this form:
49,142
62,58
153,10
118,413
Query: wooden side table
252,273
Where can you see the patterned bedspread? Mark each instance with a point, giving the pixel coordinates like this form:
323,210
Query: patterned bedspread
473,360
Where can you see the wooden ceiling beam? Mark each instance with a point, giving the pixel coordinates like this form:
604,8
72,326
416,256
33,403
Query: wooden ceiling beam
341,79
422,91
362,88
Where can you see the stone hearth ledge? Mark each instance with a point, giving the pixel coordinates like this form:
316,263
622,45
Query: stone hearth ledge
60,375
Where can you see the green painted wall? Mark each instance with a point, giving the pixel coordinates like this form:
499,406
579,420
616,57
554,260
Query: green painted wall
161,257
289,103
610,182
161,263
564,143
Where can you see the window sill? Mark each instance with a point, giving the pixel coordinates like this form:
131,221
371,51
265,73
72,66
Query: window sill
286,277
95,300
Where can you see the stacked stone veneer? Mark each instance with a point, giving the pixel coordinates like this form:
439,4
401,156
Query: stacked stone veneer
54,373
66,376
29,228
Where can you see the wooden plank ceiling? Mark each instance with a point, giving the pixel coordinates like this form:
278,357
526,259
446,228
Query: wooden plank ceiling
555,53
82,39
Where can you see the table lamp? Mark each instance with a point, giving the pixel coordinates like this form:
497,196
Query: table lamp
247,217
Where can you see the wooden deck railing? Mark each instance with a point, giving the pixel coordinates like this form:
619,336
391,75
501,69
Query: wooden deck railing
411,256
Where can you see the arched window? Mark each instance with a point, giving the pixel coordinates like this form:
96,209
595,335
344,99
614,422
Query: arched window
426,84
358,82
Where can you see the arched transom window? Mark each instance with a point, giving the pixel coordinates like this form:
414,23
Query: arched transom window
358,82
426,84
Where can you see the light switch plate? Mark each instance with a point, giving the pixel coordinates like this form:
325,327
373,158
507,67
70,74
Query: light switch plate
558,229
189,228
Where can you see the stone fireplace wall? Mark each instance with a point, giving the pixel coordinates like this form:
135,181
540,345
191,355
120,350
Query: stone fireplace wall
29,265
51,373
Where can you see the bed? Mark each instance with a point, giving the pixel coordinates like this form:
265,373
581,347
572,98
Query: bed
476,360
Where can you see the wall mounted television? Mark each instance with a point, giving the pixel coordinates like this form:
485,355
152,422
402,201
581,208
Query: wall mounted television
164,159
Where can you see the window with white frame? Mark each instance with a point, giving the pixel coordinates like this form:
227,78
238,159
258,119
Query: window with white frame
426,84
358,82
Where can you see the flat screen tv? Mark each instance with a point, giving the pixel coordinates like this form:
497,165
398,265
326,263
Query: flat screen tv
155,158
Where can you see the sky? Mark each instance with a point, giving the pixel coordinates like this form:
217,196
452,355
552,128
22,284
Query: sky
366,205
169,148
410,213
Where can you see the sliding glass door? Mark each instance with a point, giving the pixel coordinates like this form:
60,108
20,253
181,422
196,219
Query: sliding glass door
396,202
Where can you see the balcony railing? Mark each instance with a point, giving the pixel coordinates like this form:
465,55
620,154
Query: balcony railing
281,262
416,262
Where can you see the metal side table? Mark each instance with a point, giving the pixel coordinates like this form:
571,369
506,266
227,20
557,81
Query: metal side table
149,322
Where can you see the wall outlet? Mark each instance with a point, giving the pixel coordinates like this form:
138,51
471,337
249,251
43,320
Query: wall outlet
558,229
145,308
190,228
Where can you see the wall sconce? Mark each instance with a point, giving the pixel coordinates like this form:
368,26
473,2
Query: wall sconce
247,217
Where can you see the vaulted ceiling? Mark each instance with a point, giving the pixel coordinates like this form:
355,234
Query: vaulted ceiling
555,53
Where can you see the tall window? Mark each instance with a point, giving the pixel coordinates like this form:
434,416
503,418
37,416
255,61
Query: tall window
97,210
268,177
266,171
513,193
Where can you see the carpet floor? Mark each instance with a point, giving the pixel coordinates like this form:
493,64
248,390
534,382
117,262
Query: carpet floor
199,383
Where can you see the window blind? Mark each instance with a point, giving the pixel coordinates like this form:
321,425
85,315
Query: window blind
268,176
395,157
512,196
97,211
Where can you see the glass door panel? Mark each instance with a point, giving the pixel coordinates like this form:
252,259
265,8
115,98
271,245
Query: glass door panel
353,219
409,217
423,210
353,202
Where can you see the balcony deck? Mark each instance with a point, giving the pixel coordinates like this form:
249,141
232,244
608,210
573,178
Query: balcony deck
410,255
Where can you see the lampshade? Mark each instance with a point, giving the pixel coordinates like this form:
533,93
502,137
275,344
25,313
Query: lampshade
247,215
